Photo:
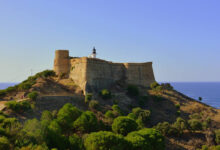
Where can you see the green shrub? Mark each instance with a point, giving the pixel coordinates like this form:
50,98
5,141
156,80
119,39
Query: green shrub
67,115
4,143
200,98
104,140
123,125
177,106
205,147
106,94
18,106
195,124
141,114
167,129
154,85
140,124
76,142
88,97
86,123
217,136
132,90
178,112
109,114
94,105
33,95
147,138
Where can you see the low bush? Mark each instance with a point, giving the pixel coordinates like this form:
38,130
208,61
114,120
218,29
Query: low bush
18,106
104,140
123,125
109,114
177,106
117,110
105,94
167,129
195,124
147,138
88,97
141,114
132,90
33,95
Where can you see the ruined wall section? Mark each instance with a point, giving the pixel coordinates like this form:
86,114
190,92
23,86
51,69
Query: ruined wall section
78,71
102,74
139,73
95,74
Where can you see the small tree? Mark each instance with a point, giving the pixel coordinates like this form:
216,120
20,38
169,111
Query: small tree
147,138
195,124
67,115
86,123
200,98
123,125
104,140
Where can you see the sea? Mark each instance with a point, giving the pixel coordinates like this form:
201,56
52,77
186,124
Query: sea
209,91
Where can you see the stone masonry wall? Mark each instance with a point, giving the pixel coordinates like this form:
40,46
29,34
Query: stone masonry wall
95,74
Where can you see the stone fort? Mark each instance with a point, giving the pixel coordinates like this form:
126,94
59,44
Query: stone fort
91,73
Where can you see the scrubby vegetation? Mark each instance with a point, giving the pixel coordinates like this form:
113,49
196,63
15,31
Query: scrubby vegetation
18,106
33,95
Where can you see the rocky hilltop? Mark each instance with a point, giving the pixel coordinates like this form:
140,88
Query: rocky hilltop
181,122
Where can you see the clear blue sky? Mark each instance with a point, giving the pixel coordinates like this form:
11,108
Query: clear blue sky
181,37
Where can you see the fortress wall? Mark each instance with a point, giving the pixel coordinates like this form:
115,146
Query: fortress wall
95,74
139,73
61,62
